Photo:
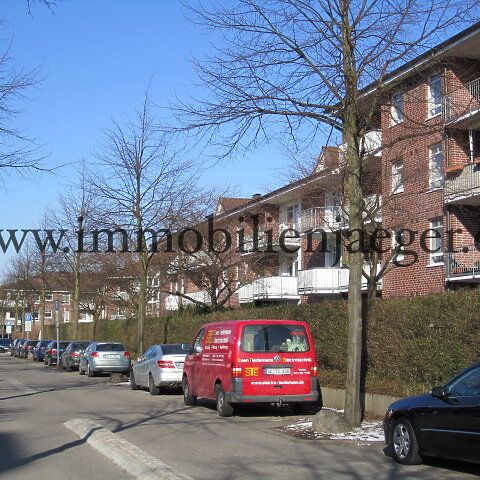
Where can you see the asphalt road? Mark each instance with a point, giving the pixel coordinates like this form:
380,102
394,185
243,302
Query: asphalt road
36,400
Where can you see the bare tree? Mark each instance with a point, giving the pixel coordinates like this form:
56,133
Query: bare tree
145,189
297,68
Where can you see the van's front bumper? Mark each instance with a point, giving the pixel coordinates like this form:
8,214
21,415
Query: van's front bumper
236,395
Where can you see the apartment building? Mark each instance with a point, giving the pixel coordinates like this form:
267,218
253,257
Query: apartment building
422,181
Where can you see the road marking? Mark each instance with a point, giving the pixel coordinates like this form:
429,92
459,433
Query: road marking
21,386
126,455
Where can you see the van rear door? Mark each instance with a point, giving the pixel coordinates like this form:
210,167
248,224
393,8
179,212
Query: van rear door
276,359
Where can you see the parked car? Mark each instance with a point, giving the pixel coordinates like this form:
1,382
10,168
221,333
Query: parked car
252,361
70,358
39,350
443,423
18,346
6,345
50,357
104,357
27,347
14,346
160,366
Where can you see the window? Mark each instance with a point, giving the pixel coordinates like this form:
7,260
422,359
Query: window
197,345
436,164
66,316
48,296
110,347
397,108
398,177
436,241
434,95
274,338
66,298
398,247
467,385
48,314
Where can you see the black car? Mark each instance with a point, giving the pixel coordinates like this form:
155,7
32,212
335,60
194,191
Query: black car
27,348
5,345
442,423
39,350
70,358
50,357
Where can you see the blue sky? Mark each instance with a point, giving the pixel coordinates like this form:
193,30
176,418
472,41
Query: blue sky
97,58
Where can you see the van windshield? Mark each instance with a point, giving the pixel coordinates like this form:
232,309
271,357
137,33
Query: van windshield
274,338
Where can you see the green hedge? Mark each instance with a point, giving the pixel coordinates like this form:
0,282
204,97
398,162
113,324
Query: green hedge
412,343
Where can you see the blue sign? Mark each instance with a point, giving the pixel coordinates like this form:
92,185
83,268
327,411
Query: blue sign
28,317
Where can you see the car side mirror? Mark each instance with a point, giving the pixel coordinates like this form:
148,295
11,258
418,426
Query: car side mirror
439,392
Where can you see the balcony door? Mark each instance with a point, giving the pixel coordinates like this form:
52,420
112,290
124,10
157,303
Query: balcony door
290,215
289,265
333,252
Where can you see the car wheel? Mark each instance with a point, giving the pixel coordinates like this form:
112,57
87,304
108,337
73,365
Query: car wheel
133,384
403,442
224,409
90,372
50,362
152,388
80,371
188,398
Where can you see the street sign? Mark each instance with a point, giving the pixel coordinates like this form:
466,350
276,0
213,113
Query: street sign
28,325
28,317
8,329
8,323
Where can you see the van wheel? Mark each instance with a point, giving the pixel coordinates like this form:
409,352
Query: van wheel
152,388
133,384
188,398
224,409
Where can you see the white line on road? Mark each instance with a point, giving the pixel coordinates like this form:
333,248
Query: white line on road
126,455
21,386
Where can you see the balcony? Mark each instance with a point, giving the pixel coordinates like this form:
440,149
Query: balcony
463,187
372,143
463,266
289,240
327,280
172,302
269,288
461,108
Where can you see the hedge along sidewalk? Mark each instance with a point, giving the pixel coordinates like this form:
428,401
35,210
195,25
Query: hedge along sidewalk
412,343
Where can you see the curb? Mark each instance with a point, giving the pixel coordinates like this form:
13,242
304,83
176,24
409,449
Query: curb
124,454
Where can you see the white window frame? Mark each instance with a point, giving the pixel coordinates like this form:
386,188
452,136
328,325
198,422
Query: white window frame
435,175
48,296
48,314
397,110
67,296
434,108
66,316
400,256
436,257
398,176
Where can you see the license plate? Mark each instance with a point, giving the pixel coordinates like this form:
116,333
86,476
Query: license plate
111,356
179,364
277,371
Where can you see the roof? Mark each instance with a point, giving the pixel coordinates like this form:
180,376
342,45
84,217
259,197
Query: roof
226,204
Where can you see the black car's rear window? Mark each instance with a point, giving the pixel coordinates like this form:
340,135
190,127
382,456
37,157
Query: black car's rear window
5,341
110,347
43,343
263,338
175,349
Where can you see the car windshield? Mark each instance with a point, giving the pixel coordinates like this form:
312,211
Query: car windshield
110,347
175,349
4,341
274,338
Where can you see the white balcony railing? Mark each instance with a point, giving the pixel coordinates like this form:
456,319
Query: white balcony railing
172,302
269,288
463,265
462,103
371,142
463,186
326,280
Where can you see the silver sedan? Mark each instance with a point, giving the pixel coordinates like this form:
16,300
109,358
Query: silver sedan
104,357
160,366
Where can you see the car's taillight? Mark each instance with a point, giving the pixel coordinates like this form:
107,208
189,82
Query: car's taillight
165,364
126,354
314,371
75,354
236,370
94,354
53,351
29,347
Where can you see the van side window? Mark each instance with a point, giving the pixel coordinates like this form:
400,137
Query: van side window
197,344
274,338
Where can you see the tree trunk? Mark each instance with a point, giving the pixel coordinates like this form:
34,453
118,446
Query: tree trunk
354,193
142,302
76,297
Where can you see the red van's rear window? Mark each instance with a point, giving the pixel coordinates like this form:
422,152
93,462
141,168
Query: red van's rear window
274,338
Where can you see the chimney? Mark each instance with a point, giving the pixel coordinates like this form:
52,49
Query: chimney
256,196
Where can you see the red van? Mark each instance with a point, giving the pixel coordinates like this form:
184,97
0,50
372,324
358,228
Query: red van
252,361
